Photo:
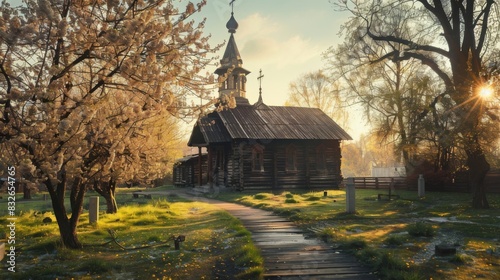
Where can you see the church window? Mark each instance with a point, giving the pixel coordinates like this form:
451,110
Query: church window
291,158
258,158
235,82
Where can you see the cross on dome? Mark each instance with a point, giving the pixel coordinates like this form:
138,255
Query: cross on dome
232,24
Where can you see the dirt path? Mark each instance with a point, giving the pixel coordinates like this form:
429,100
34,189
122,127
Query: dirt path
287,253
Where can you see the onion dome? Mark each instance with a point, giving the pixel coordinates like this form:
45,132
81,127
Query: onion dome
232,24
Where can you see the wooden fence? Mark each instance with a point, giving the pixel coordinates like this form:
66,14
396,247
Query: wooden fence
380,182
458,184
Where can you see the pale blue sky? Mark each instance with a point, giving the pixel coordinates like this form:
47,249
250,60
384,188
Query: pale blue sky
284,38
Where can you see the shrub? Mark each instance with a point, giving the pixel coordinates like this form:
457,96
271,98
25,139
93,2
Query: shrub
260,196
313,198
154,238
161,203
394,240
391,262
421,229
461,259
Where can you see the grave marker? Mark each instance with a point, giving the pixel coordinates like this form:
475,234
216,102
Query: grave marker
93,209
350,196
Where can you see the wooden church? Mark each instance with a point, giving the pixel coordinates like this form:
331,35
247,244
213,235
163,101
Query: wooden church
260,147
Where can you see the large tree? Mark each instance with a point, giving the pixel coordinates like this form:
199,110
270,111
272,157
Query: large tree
392,93
464,33
79,77
317,90
148,154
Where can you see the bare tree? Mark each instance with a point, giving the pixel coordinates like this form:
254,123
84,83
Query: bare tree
316,90
463,34
392,93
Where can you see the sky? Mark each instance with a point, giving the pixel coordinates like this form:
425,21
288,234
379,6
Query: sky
284,38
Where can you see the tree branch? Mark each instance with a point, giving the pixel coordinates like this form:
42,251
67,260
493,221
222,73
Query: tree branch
85,55
412,45
484,28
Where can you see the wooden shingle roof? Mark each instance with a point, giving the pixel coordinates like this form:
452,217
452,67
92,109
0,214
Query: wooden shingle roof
266,123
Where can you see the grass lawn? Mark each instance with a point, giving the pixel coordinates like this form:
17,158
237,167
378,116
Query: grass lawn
216,245
398,237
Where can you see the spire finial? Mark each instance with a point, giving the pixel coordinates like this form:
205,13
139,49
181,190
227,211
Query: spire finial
260,85
232,24
232,6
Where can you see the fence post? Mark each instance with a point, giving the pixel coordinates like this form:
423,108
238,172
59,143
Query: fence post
350,196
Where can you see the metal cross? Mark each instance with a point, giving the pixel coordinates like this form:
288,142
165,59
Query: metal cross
260,80
232,5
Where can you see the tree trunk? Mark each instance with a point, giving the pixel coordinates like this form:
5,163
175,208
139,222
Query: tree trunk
26,192
111,205
68,233
478,168
108,190
67,226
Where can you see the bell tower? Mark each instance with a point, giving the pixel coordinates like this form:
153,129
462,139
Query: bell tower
231,74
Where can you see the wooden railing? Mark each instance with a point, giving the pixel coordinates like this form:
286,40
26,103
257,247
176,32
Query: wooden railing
379,182
460,184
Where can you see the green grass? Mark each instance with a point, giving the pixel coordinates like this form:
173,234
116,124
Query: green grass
216,244
389,234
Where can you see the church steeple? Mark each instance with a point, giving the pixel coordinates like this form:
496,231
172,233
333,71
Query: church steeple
232,76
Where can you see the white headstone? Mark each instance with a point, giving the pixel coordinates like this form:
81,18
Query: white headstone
350,206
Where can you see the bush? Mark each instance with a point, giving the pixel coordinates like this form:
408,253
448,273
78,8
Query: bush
313,198
421,229
161,203
461,259
389,266
260,196
289,195
394,240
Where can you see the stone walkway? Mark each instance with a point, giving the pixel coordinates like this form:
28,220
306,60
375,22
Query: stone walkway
287,253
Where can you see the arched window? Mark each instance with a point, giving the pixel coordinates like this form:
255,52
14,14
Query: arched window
235,82
291,158
258,158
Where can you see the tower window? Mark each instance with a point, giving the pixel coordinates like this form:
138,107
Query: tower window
235,82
